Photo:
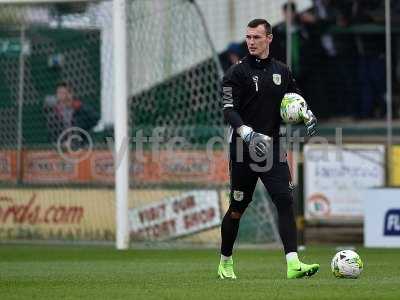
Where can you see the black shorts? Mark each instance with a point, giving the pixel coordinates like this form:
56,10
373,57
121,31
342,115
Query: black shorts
245,173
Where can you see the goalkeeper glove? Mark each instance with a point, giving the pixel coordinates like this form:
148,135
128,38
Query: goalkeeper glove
310,121
257,142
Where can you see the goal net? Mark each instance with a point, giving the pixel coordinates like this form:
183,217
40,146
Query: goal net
56,134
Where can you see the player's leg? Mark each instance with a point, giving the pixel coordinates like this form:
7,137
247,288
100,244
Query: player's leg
243,182
277,183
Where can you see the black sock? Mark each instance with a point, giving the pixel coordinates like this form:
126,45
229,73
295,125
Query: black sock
229,230
287,227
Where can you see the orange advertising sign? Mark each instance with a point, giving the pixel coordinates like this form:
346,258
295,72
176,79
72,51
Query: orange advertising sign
101,167
193,166
8,165
48,167
166,167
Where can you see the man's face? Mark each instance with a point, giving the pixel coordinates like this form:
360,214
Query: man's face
258,41
64,95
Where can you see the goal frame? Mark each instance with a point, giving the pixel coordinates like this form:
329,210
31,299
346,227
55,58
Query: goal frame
120,100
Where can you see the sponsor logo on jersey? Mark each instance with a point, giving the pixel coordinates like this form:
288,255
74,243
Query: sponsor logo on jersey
227,96
277,79
255,80
392,222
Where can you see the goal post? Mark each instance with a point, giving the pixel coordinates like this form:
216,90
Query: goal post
121,123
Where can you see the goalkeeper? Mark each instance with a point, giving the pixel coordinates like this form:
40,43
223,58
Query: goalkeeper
252,91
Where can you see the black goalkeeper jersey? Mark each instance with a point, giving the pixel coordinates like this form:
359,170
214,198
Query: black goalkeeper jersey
252,91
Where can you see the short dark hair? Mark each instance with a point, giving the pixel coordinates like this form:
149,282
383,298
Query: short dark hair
64,84
290,5
256,22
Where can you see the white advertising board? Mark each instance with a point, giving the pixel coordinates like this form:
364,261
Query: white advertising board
335,177
382,218
177,216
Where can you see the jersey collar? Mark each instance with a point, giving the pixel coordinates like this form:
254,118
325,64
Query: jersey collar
259,63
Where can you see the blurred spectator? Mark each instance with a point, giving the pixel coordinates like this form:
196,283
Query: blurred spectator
345,61
299,37
333,62
315,51
232,55
371,61
65,111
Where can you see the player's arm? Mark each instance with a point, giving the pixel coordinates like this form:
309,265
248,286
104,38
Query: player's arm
310,121
232,91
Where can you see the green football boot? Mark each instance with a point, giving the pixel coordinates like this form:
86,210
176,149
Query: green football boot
225,269
297,269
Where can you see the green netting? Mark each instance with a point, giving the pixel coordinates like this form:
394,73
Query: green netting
80,54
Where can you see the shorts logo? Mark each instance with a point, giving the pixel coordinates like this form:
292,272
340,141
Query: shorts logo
238,195
276,78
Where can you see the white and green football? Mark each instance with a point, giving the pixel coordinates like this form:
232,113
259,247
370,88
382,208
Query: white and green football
346,264
293,108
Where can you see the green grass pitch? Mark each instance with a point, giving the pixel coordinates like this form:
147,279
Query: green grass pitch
65,272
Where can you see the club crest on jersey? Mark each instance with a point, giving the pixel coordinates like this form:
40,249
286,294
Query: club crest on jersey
276,78
238,195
